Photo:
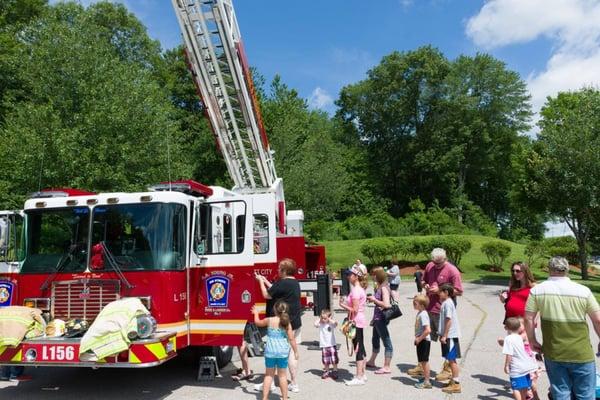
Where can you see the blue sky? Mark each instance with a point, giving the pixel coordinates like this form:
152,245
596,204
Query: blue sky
318,47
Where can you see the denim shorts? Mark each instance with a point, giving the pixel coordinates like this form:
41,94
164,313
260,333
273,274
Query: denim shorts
276,362
521,382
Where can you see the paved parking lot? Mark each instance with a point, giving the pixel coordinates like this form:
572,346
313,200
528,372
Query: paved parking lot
480,316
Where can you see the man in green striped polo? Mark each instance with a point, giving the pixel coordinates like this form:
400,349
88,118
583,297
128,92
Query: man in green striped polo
563,306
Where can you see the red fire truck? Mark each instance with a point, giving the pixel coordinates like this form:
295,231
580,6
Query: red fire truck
187,250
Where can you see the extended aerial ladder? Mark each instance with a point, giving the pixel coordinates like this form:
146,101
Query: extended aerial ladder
216,58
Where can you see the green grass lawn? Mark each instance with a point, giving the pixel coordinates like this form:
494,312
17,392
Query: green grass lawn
474,264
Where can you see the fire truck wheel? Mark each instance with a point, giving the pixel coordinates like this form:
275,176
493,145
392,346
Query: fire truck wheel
223,355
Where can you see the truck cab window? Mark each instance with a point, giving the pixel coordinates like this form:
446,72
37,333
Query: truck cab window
217,224
261,233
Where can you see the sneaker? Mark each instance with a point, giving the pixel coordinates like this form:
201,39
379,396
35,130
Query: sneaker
259,386
453,387
23,378
355,382
416,371
293,388
325,375
423,385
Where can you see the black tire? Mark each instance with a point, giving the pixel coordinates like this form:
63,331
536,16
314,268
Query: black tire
223,354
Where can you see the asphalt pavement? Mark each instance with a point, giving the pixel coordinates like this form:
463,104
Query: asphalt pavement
482,375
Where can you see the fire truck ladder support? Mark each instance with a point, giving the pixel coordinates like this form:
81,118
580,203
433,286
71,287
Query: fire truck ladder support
222,77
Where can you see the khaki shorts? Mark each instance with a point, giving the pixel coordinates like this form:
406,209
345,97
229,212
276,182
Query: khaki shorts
434,322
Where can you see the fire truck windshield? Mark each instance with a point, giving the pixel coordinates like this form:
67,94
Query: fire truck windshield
56,238
147,236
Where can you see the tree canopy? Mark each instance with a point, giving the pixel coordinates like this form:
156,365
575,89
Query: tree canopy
89,100
560,173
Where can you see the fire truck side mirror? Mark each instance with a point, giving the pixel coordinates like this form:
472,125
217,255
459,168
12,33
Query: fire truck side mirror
4,235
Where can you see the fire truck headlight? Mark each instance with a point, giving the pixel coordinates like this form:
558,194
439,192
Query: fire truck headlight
43,303
31,355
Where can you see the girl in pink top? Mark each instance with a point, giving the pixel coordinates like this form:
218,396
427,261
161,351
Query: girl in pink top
355,305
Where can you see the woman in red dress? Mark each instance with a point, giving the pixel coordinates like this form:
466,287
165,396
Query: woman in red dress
521,282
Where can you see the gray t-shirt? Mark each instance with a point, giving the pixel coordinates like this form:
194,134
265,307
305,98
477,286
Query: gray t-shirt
420,324
448,310
396,271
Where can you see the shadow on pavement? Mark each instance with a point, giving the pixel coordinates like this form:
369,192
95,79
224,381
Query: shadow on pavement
494,393
343,374
491,380
103,383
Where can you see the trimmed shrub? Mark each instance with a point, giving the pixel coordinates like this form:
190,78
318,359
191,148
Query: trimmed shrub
401,248
564,246
378,250
496,252
456,246
535,250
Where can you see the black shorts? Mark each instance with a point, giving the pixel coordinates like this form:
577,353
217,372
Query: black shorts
359,345
423,349
451,350
394,286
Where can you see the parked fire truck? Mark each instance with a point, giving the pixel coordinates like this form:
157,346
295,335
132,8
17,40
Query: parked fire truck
188,251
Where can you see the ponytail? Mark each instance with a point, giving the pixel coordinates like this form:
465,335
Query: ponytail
281,310
284,320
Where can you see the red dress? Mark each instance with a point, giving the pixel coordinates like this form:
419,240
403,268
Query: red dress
515,304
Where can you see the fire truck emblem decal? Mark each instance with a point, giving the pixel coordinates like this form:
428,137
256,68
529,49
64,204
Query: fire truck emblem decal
217,288
6,289
85,293
246,297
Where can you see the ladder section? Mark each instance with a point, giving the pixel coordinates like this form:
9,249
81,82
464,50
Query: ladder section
218,63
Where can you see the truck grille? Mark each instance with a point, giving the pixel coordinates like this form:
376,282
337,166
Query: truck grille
82,299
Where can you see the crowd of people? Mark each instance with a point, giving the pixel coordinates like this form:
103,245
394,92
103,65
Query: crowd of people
558,305
437,317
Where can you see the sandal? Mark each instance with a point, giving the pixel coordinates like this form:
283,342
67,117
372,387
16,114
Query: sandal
382,371
241,376
373,366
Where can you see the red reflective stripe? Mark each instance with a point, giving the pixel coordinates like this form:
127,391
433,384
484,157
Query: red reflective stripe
9,353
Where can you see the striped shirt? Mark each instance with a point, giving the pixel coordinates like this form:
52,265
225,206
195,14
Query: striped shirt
563,306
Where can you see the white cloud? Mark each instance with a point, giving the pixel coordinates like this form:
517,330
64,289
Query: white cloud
320,99
572,25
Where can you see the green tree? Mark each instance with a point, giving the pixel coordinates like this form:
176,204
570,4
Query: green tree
438,130
483,109
314,166
198,140
387,110
89,112
561,173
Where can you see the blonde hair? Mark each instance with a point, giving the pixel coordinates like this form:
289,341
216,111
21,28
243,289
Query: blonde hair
281,310
364,281
288,266
380,275
512,324
422,300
